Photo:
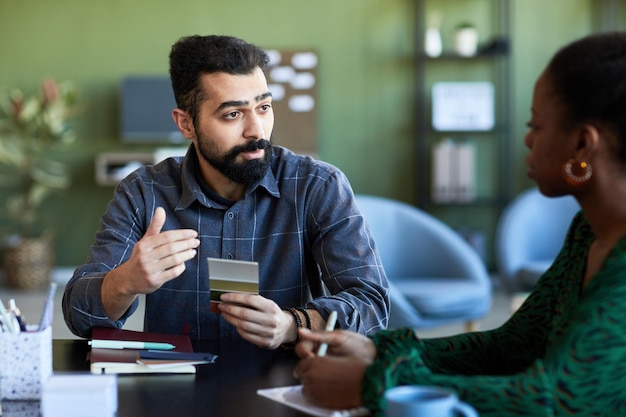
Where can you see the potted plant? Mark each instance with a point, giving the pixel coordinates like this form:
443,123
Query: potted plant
30,127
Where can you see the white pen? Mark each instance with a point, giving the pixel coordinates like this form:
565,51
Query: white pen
17,315
330,326
129,344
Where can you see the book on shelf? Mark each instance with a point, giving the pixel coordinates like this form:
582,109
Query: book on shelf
465,179
442,170
180,359
453,171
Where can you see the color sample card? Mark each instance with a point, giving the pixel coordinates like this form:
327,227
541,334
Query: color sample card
227,275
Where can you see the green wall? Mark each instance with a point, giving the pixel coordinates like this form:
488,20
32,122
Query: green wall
365,122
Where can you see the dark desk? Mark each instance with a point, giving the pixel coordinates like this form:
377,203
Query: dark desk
223,389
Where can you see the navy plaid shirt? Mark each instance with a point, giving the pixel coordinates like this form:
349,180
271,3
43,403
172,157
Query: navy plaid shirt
300,223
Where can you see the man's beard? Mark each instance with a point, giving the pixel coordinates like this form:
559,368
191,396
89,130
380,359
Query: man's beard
247,172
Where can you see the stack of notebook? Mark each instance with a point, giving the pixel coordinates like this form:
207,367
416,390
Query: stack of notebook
116,351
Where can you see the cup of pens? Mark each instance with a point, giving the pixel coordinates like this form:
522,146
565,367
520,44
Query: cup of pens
25,351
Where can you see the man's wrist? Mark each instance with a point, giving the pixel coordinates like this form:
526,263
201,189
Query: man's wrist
294,313
307,318
115,301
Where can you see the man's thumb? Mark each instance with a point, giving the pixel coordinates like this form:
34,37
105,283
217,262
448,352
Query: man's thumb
158,220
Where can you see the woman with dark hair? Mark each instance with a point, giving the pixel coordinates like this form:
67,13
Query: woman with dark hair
564,351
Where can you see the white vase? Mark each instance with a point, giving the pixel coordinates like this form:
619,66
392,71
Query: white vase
432,42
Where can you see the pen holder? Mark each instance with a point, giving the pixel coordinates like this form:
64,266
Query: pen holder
25,364
25,408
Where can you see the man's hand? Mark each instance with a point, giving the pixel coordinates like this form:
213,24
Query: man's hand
258,319
157,257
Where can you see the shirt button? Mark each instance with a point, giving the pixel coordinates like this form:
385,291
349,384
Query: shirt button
231,215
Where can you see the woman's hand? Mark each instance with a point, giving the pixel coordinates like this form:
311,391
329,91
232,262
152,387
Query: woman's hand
340,343
333,381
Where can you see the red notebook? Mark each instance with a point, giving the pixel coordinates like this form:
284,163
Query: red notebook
127,361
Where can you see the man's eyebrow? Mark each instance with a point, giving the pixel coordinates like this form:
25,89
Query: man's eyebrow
263,96
238,103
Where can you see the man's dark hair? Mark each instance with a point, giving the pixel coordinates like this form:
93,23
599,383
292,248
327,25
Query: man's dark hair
195,55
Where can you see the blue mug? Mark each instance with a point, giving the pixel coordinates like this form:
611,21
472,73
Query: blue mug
425,401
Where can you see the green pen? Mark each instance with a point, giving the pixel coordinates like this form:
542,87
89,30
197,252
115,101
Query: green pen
129,344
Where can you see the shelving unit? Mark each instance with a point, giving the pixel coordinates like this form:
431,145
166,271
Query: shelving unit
111,167
476,217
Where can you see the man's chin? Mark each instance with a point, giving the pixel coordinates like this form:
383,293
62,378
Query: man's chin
251,171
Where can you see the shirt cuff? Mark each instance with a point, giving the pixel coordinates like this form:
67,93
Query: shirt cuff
397,355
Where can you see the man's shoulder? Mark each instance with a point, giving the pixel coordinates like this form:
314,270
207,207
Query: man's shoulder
289,163
166,172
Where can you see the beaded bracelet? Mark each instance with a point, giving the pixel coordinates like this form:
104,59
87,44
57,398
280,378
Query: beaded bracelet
306,316
296,318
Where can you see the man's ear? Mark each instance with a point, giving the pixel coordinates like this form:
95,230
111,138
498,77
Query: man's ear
184,123
588,142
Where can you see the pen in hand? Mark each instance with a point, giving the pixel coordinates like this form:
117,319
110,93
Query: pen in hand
330,326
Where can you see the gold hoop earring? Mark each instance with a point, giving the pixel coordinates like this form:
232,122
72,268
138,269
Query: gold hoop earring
574,179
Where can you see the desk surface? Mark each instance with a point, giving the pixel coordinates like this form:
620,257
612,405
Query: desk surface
223,389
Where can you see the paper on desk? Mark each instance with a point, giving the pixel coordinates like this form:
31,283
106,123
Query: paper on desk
292,397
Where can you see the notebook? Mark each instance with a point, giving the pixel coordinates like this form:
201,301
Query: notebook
131,361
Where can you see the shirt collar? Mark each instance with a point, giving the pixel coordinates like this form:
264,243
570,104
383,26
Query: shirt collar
191,189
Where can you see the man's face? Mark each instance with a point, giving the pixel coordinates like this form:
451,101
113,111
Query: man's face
235,125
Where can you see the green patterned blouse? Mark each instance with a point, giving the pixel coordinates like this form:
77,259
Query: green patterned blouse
563,353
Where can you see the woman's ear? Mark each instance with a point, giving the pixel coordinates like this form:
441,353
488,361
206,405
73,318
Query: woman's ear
184,123
588,141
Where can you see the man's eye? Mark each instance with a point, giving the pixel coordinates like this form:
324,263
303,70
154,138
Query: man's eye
231,115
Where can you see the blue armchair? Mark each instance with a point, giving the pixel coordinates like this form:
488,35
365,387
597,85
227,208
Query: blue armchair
529,235
435,277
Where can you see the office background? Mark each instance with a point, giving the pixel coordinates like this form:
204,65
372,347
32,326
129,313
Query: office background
366,101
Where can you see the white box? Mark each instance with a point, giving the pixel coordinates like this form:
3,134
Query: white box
89,396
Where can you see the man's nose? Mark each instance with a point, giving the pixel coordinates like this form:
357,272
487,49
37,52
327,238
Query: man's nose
254,128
